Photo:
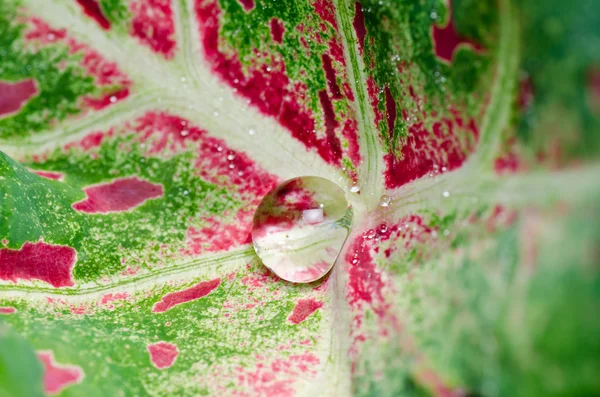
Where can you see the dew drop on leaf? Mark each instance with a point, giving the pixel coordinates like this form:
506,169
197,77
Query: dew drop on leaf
385,200
300,226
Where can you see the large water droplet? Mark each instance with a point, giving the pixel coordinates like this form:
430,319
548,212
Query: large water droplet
300,226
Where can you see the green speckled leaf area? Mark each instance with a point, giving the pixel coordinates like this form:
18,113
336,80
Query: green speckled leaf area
137,138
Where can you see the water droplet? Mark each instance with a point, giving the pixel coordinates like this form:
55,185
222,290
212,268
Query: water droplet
184,132
230,156
383,228
112,99
370,234
446,194
355,189
251,131
385,200
300,226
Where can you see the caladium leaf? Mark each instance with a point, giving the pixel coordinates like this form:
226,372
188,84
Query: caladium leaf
138,138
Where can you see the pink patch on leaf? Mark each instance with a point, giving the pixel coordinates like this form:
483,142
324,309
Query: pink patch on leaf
152,23
7,310
14,95
303,309
57,176
92,9
177,298
446,40
117,196
109,298
162,354
57,377
277,30
38,261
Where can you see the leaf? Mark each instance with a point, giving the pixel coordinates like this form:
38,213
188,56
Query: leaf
20,370
138,137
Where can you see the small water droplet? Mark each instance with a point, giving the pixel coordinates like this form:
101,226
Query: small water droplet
355,189
251,131
446,194
370,234
446,232
385,200
112,99
300,226
230,156
184,132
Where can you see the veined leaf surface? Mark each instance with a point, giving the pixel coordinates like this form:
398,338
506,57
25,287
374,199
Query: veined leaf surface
138,138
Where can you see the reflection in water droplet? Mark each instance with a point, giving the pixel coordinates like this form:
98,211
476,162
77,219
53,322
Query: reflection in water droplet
300,226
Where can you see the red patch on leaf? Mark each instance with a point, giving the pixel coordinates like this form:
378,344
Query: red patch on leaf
247,4
7,310
446,39
331,123
107,76
303,309
277,30
326,11
90,141
266,86
152,23
424,150
14,95
92,9
365,283
359,24
331,78
118,196
217,164
107,100
57,377
38,261
177,298
162,354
